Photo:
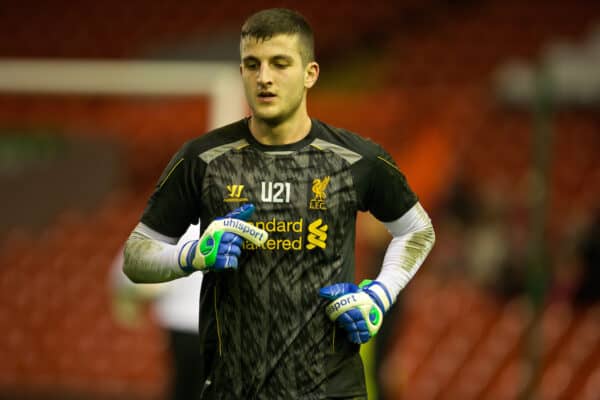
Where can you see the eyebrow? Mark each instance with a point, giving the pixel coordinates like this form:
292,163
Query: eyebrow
277,57
282,57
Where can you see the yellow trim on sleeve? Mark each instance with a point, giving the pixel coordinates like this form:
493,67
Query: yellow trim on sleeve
170,172
389,163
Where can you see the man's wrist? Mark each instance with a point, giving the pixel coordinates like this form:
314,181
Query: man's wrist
379,293
186,256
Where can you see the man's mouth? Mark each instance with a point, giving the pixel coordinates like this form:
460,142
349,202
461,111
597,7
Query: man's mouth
266,95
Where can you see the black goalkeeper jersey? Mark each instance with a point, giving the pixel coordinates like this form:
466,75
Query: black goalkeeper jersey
265,321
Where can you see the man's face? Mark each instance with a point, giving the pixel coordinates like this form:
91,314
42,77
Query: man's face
275,77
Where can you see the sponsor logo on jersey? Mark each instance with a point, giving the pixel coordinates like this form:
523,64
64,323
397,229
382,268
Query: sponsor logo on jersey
235,194
318,187
317,235
290,235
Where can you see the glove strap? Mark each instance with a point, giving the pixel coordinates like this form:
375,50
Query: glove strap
186,256
378,293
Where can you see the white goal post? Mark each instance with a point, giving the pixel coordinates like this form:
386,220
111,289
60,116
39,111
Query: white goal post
219,81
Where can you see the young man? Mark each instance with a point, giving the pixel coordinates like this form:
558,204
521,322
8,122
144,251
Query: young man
268,301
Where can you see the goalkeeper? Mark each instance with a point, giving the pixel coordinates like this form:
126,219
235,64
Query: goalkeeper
277,194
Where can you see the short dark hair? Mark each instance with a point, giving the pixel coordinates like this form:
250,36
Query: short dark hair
265,24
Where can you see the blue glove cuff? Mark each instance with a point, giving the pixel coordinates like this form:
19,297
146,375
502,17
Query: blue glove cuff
186,256
374,289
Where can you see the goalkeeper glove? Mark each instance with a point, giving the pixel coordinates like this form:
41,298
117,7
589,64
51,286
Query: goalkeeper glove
221,243
357,309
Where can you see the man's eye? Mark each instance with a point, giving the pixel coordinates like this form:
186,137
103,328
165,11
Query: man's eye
281,65
251,66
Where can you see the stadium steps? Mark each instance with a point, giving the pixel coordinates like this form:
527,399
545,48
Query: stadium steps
481,354
61,335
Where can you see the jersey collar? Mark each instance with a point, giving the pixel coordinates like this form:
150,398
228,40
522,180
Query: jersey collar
305,141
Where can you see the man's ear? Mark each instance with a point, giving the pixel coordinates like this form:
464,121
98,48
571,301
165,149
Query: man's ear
311,74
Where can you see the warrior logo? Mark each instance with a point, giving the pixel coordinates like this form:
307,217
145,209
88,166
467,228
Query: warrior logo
235,194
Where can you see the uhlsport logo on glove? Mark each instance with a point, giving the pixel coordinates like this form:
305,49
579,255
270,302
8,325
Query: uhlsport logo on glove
348,300
245,230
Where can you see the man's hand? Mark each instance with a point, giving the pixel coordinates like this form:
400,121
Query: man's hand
220,245
357,309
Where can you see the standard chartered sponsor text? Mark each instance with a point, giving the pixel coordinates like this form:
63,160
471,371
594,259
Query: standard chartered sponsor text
292,240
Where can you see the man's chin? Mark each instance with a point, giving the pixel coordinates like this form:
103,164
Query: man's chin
271,119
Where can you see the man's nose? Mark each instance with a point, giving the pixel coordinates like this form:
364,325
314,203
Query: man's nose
264,75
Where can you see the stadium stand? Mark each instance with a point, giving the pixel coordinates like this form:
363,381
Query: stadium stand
458,341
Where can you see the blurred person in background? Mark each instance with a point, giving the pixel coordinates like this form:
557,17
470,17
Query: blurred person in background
480,240
176,308
486,236
303,182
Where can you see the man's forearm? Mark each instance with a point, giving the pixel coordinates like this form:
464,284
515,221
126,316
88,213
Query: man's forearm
150,257
413,238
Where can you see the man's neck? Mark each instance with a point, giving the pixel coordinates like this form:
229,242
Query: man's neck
290,131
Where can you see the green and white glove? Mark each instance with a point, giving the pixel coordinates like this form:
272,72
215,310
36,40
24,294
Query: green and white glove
220,245
357,309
